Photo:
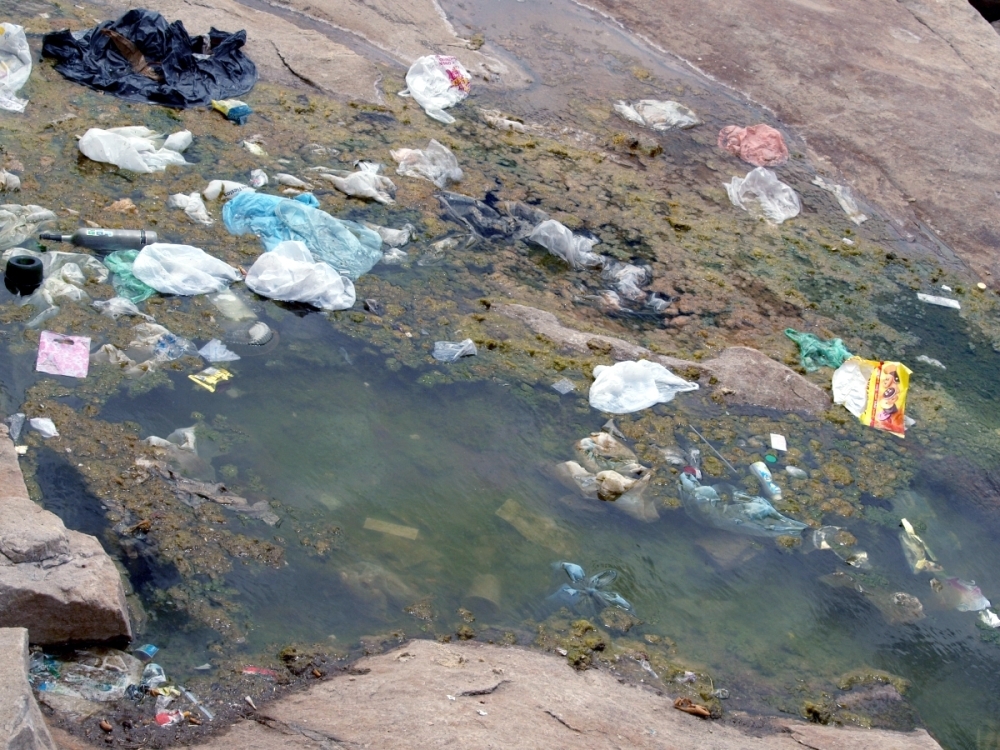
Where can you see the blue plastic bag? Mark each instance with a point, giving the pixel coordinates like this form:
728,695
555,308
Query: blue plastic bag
350,248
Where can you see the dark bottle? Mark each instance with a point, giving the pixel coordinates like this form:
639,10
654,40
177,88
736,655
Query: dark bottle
104,240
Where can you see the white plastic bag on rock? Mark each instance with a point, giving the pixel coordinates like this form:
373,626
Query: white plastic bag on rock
776,199
625,387
658,115
437,82
435,163
572,248
364,183
193,206
15,66
19,223
135,148
182,269
289,273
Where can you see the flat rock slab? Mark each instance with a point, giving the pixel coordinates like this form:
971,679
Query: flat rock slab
428,694
742,375
21,724
58,583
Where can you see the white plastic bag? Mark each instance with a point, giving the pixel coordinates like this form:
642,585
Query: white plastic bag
15,66
18,223
843,195
451,351
289,273
135,148
393,237
625,387
44,426
118,306
226,188
437,82
435,163
365,183
776,199
193,206
182,269
216,351
850,386
658,115
560,241
258,178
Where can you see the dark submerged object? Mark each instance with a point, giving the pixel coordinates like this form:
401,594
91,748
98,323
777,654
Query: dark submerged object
143,58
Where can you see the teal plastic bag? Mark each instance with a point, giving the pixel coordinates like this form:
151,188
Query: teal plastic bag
815,353
125,283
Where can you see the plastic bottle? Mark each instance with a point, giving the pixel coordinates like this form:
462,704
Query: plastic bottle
106,240
767,484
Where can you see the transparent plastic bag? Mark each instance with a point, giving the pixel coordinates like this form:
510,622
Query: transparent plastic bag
182,269
435,163
560,241
15,66
776,200
289,273
658,115
437,82
193,206
451,351
626,387
19,223
628,279
393,237
733,510
135,148
118,306
216,351
366,182
349,248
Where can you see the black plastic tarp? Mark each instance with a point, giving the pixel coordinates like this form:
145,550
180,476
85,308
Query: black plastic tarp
143,58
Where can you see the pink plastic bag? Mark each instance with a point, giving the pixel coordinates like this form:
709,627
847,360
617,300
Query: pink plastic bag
63,355
760,145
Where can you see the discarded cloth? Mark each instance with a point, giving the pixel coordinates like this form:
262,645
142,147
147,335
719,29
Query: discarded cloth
815,353
349,248
233,109
289,273
15,66
366,182
193,206
777,201
135,148
658,115
874,392
437,82
734,510
182,269
760,145
451,351
143,58
63,355
19,223
572,248
435,163
126,284
625,387
844,198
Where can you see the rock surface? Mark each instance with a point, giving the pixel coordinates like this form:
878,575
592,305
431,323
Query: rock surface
58,583
864,82
21,724
743,375
428,694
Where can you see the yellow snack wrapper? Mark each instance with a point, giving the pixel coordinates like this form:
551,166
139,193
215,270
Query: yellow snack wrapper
210,377
874,392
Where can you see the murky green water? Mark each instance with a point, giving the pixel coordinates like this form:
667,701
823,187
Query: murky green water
387,471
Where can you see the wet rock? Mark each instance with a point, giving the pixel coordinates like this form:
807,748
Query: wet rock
58,583
21,724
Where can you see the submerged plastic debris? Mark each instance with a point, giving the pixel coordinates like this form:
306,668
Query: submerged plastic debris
761,188
918,554
874,392
572,248
182,269
742,513
18,223
658,115
583,589
627,387
451,351
932,299
814,352
366,182
289,273
126,284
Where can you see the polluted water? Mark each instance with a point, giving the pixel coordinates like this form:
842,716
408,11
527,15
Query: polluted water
329,480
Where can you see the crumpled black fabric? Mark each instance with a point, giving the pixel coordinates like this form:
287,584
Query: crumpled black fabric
195,70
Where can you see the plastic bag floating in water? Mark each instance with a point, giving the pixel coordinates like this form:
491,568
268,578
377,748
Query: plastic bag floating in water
776,200
626,387
182,269
743,513
874,392
289,273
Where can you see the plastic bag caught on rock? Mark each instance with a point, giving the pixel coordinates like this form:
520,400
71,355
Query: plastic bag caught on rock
135,148
560,241
760,145
658,115
15,66
437,82
627,387
451,351
366,182
777,201
349,248
289,273
19,223
435,163
182,269
123,280
193,206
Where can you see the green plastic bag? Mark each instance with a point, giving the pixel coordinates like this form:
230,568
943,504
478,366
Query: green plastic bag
815,353
125,283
